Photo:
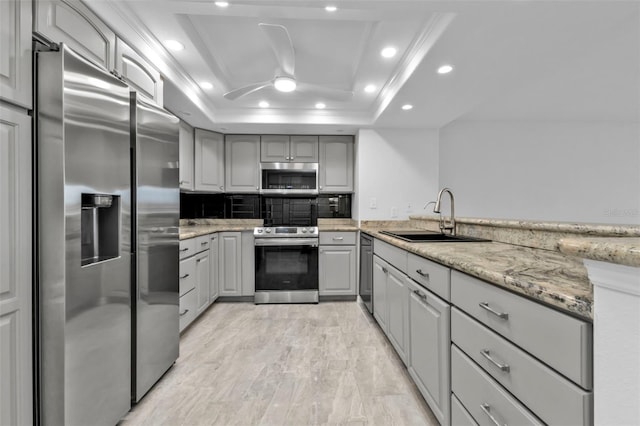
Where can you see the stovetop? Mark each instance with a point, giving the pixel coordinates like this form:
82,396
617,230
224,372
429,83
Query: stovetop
285,231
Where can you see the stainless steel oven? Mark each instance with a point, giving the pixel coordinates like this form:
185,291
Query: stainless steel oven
286,264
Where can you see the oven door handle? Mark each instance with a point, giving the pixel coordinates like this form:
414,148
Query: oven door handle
262,242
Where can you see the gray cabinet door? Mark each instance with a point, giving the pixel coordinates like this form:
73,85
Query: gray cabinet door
303,149
71,22
337,270
242,163
274,148
380,291
209,161
202,280
429,355
398,312
138,73
15,55
214,269
16,406
335,164
186,157
248,264
229,263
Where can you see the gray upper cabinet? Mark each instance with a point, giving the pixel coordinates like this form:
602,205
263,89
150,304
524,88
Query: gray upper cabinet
186,157
138,73
282,149
242,163
335,164
16,406
72,23
209,161
15,55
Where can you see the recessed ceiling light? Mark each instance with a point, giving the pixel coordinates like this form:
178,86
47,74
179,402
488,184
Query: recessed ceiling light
370,88
445,69
206,85
174,45
320,105
388,52
407,107
263,104
285,84
330,8
222,3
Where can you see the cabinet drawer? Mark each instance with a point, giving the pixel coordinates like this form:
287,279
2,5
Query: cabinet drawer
188,307
459,415
202,243
487,402
430,275
187,247
396,257
187,275
561,341
550,396
338,238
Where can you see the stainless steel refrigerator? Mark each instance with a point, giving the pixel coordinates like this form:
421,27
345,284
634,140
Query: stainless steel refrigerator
156,217
87,217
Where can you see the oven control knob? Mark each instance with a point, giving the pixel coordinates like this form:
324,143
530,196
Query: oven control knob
268,230
259,231
304,230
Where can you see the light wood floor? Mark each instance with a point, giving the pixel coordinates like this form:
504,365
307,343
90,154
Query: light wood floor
245,364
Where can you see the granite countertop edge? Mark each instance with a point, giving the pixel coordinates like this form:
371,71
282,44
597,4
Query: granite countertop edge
623,251
526,272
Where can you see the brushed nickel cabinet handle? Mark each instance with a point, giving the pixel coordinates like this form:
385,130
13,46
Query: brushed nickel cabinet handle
184,276
338,238
184,312
422,274
204,243
486,408
486,307
487,354
185,249
385,270
420,295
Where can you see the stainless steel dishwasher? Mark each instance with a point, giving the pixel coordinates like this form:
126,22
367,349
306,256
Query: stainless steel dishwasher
366,270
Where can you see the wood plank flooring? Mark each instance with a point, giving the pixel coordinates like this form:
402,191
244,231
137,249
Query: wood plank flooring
246,364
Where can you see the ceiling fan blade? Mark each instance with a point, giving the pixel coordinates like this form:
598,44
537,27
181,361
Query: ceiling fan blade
242,91
325,92
282,46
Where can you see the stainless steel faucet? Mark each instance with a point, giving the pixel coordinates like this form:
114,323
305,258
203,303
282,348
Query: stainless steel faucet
451,226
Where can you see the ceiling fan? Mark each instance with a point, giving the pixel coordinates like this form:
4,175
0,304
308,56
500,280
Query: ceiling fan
284,79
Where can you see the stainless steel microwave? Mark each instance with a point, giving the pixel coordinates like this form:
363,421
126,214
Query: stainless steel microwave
289,178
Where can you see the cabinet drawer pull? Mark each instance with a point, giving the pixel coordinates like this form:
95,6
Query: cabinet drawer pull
338,238
422,274
185,249
486,307
487,354
184,313
486,408
420,295
385,270
204,243
184,276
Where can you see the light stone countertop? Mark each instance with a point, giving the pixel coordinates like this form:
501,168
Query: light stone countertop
550,277
623,251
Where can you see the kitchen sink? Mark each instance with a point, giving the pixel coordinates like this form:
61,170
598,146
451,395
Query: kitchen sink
431,237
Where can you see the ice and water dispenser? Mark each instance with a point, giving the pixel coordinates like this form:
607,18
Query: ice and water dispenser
100,227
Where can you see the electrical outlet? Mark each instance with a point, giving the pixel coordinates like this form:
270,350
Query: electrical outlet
373,203
394,212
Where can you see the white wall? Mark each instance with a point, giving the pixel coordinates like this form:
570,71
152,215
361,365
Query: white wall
578,172
399,168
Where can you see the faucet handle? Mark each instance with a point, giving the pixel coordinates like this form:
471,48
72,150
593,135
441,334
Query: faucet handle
430,202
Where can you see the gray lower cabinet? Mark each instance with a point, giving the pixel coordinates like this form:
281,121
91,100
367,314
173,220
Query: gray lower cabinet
242,163
380,292
429,357
248,253
202,280
214,268
230,264
16,401
337,270
335,174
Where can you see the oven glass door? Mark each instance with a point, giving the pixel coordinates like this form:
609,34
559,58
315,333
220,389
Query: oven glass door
286,268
